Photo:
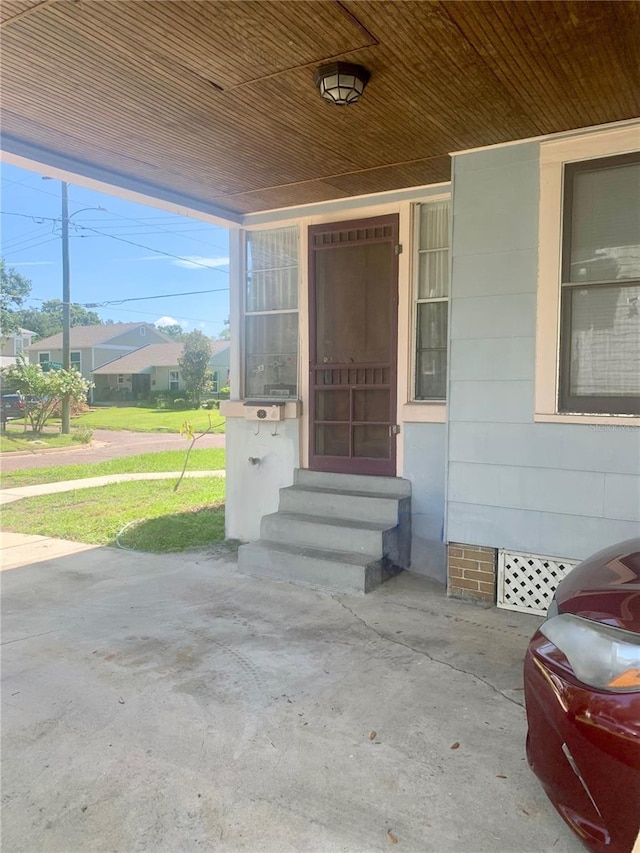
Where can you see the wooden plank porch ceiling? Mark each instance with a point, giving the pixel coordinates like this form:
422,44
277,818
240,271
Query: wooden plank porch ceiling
213,103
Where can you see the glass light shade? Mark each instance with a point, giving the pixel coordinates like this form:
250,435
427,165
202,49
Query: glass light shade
341,83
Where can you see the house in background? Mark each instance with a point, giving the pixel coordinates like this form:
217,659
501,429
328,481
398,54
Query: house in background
93,346
152,368
220,365
13,345
435,337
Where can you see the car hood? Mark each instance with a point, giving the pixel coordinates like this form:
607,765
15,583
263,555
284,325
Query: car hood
605,587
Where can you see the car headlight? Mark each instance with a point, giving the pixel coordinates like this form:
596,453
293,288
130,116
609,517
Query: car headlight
600,655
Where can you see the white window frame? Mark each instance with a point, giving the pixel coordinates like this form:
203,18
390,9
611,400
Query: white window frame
418,300
423,411
42,359
79,361
244,313
176,374
214,382
121,379
553,156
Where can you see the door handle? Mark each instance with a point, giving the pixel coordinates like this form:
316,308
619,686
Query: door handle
394,429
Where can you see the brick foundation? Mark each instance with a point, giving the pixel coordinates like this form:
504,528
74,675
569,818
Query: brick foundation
471,571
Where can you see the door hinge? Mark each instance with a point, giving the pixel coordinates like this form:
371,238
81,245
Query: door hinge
398,249
394,429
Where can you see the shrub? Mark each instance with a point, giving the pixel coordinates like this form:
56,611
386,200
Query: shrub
82,434
179,403
162,399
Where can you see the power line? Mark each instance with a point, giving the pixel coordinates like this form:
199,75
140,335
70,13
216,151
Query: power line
157,296
133,311
27,236
26,248
120,239
149,249
129,218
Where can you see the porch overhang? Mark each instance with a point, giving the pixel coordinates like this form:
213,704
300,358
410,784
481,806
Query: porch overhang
211,106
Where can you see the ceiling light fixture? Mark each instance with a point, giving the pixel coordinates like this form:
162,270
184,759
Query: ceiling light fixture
341,83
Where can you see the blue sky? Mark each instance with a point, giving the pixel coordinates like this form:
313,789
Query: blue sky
104,268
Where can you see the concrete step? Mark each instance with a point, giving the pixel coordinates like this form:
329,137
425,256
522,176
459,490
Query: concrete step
392,486
316,531
315,567
337,503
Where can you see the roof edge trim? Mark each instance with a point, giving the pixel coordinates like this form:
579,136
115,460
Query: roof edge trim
561,134
26,155
343,203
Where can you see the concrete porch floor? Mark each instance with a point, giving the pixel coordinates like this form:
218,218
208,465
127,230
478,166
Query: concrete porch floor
168,703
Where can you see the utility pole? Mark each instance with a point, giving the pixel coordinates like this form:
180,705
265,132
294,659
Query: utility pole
66,306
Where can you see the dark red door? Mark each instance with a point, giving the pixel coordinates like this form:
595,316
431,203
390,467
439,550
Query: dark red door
353,303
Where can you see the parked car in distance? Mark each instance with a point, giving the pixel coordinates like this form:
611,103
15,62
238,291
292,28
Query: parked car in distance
11,406
582,693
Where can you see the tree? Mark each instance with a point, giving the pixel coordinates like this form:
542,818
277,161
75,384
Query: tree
225,334
194,365
14,289
44,391
174,331
47,320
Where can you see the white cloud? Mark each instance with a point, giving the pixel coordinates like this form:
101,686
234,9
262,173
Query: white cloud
171,321
31,264
198,262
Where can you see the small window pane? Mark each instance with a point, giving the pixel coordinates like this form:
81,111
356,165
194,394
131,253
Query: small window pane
434,225
371,442
432,325
431,375
372,406
272,270
332,405
271,355
605,224
605,341
433,274
332,440
431,355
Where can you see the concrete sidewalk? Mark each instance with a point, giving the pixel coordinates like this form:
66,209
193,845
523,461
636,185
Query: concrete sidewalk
10,495
167,703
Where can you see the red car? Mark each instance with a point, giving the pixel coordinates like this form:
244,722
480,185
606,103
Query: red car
582,692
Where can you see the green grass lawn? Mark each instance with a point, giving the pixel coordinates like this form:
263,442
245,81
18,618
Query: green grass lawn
15,438
211,459
137,419
192,517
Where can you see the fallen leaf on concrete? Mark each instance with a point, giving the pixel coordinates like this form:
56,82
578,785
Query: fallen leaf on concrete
373,735
121,700
455,745
392,838
500,776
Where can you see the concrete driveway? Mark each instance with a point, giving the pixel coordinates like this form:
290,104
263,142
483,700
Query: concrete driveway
167,703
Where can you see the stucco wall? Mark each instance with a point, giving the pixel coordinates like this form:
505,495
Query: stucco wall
253,490
424,465
557,489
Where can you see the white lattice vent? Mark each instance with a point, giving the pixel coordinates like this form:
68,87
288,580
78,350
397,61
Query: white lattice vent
527,582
